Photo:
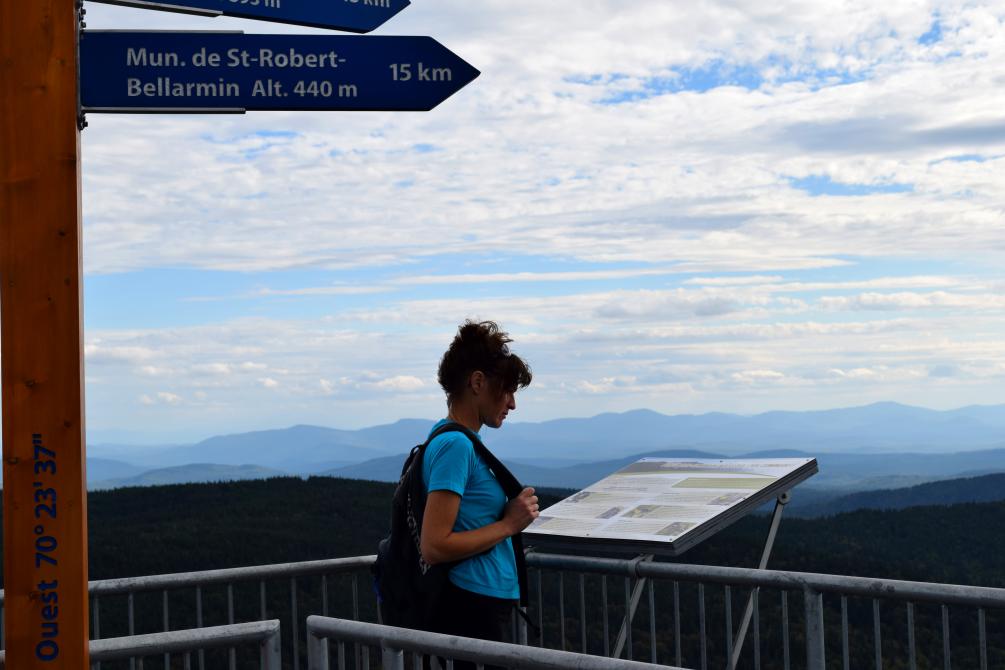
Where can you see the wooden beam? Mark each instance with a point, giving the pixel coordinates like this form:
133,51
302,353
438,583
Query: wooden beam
41,364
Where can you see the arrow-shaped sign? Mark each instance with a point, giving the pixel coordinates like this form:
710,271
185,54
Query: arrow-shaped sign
124,71
356,16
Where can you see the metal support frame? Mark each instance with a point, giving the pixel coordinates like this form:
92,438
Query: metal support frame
741,635
636,598
748,612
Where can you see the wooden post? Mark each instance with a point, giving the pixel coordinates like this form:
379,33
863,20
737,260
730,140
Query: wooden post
44,492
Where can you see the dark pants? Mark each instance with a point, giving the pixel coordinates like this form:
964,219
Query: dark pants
467,614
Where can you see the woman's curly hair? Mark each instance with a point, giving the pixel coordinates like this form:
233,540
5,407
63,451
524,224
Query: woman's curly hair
482,346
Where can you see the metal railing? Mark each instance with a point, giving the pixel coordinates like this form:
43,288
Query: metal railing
170,586
853,622
811,587
263,633
395,642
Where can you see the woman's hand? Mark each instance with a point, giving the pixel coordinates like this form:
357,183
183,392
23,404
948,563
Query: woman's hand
439,542
521,511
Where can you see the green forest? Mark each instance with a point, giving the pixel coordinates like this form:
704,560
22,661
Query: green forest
155,530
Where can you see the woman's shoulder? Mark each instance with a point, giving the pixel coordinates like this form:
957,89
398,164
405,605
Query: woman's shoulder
454,443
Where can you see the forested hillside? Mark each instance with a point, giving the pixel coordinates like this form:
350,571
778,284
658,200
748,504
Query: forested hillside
149,530
152,530
988,488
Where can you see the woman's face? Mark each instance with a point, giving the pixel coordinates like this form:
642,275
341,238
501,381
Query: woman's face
495,407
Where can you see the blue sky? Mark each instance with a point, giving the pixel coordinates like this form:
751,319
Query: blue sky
729,207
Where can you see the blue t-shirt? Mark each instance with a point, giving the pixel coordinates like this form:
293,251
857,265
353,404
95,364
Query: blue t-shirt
451,464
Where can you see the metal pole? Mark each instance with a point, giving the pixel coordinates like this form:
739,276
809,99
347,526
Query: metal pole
271,652
41,349
392,659
815,659
769,543
633,606
317,651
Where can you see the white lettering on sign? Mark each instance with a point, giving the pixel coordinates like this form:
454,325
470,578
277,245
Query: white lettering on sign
270,4
325,89
164,87
420,72
383,4
281,60
142,58
263,58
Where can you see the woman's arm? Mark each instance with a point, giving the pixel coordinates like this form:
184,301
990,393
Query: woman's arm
441,544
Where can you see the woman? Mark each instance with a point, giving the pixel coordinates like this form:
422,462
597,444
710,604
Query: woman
467,517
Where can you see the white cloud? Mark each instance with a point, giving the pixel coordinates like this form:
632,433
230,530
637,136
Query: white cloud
400,383
534,179
98,353
528,160
212,369
321,290
169,398
751,280
910,300
757,376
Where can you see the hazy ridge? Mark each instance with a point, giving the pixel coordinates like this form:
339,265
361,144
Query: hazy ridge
884,446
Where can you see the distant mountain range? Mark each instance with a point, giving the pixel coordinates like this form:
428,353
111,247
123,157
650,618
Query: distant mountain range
839,473
879,446
989,488
881,427
195,473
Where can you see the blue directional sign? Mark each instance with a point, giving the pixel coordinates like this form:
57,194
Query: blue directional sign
124,71
356,16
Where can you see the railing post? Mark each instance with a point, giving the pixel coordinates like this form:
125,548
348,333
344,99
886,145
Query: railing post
815,658
317,650
271,651
393,659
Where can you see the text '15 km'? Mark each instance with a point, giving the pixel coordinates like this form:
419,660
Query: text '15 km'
189,72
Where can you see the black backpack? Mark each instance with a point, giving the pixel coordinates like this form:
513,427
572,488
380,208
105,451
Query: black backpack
407,587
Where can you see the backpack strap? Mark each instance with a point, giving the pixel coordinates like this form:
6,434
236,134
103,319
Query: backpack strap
511,487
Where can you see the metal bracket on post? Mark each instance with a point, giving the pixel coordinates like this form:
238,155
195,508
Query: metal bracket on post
748,613
640,585
81,24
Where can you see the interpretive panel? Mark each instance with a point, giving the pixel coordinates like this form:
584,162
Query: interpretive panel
666,506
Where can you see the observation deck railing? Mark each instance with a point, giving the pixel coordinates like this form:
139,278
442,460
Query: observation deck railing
685,617
264,634
394,643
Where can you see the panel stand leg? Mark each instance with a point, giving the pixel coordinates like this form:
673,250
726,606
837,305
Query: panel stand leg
640,586
748,613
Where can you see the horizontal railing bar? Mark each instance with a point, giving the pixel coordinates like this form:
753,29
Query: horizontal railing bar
973,596
177,641
478,651
254,573
868,587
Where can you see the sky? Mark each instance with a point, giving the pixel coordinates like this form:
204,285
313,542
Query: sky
687,207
